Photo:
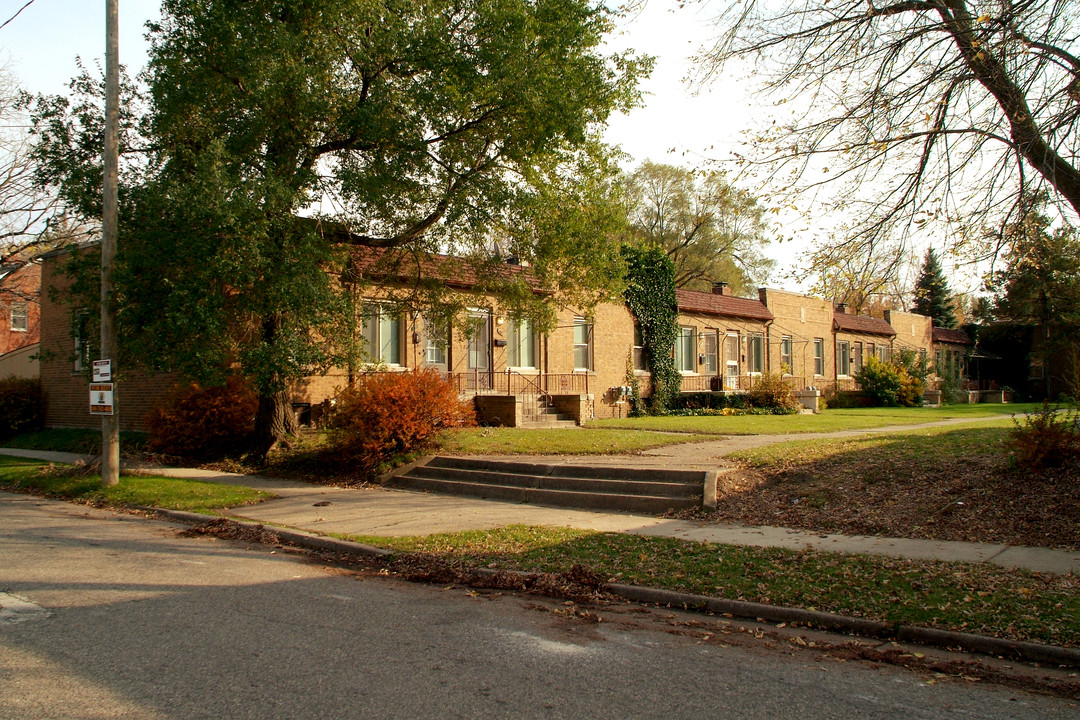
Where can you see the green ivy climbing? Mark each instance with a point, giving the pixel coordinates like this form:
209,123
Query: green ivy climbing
650,295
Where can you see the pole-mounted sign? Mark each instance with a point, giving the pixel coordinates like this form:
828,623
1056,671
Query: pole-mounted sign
102,371
101,398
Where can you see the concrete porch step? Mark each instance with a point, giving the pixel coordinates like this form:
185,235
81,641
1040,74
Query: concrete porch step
636,490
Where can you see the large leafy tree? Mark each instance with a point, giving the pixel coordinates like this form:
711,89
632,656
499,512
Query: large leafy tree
932,295
919,109
421,125
1040,284
711,230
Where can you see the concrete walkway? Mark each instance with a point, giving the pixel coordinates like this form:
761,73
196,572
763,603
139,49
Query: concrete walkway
384,512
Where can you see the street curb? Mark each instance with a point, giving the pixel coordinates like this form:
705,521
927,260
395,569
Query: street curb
288,535
1016,649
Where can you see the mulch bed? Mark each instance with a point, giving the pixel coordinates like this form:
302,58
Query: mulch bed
973,499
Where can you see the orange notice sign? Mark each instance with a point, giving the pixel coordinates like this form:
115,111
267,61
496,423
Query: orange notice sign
101,398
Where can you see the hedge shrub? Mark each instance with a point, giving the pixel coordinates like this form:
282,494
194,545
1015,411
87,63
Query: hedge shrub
392,413
201,424
1045,438
21,406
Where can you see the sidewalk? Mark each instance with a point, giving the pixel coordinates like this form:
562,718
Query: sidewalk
385,512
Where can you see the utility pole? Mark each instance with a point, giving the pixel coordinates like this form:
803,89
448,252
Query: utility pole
110,424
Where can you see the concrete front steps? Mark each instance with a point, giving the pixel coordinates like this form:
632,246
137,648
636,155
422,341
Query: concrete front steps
548,418
636,490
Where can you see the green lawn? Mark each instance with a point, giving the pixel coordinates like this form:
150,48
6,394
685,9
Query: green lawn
827,421
929,445
952,596
22,475
577,441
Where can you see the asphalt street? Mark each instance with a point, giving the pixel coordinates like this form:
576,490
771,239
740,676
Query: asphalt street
106,615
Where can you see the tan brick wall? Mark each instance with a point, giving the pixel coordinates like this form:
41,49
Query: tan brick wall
914,332
722,326
867,339
802,318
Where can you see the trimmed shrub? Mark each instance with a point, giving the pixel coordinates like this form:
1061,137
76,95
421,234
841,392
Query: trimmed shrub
392,413
22,407
881,382
201,424
770,392
1045,438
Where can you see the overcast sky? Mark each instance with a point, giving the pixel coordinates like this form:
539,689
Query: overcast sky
678,124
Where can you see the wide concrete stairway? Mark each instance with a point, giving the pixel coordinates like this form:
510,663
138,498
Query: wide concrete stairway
638,490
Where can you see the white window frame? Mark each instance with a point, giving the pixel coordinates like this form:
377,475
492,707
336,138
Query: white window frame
843,358
856,357
379,350
755,353
20,317
786,358
686,350
819,357
436,343
521,339
640,357
583,324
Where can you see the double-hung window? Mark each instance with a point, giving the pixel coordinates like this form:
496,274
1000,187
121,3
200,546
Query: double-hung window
20,317
755,353
521,345
436,341
819,356
640,360
583,350
686,350
856,358
382,335
785,354
843,358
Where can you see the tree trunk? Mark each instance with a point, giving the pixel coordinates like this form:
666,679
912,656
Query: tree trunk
274,422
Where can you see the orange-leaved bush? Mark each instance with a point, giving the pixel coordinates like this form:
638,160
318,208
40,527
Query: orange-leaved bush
391,413
198,423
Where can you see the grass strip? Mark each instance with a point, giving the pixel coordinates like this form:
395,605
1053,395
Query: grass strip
982,599
827,421
23,475
983,439
555,441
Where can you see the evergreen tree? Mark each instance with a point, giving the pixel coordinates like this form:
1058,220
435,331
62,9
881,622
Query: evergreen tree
932,295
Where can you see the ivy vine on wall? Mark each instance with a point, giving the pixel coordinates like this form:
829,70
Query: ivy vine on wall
650,295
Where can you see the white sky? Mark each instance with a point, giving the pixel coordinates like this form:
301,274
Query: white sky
676,125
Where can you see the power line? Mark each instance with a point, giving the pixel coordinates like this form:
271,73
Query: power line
8,21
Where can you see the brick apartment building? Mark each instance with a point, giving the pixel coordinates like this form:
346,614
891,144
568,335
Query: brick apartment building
20,317
579,368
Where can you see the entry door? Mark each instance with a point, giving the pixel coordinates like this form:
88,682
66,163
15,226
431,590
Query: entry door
711,342
731,362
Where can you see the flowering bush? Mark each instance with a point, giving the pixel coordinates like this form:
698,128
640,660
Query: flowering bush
391,413
21,406
200,424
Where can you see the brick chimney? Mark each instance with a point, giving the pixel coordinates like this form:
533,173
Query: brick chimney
841,308
721,288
